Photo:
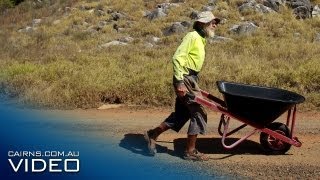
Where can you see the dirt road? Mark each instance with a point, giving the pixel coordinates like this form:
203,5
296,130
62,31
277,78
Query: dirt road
245,161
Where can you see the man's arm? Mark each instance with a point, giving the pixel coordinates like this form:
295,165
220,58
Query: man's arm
181,56
180,59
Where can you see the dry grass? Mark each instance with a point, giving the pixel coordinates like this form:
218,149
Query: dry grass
60,65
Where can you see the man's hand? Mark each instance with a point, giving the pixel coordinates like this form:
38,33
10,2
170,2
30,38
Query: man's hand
181,90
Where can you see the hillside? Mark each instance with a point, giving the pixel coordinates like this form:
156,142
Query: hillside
79,54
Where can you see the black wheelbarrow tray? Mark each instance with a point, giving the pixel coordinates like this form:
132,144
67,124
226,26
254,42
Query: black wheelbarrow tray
258,107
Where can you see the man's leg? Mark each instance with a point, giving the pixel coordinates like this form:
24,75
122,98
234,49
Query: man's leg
191,143
198,122
175,121
191,152
152,135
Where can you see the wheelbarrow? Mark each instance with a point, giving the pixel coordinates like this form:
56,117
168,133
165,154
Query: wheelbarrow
258,107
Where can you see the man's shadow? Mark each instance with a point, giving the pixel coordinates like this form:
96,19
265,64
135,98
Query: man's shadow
214,146
137,144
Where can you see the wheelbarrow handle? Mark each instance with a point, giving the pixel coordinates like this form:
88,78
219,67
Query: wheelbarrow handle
213,98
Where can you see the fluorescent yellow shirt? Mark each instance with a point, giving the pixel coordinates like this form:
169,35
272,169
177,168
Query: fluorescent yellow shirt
189,55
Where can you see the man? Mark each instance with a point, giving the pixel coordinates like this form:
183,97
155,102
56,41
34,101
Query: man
187,63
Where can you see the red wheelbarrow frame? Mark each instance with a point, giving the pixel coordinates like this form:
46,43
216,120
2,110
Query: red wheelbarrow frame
217,105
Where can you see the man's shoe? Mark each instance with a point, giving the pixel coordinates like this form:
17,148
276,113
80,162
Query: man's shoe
195,155
151,143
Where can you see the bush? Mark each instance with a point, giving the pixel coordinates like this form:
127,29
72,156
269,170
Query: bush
5,4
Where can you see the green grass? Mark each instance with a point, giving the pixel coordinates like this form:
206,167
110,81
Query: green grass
61,65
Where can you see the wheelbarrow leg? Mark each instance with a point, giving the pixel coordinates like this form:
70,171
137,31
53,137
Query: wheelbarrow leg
288,117
223,122
293,121
225,132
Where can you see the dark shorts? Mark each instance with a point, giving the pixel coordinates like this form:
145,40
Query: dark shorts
186,108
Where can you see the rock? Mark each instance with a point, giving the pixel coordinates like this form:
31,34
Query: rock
177,27
113,43
167,6
102,24
93,29
246,28
186,24
67,9
148,45
109,106
302,12
127,39
91,11
115,16
178,1
118,28
159,12
263,9
217,39
274,4
99,12
86,8
212,2
253,5
301,8
153,40
208,8
36,22
194,14
27,29
317,38
56,22
316,11
297,3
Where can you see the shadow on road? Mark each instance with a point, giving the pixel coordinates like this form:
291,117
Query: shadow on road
137,144
214,146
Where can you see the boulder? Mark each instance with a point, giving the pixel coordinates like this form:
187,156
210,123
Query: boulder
36,22
178,1
126,39
317,38
113,43
115,16
217,39
208,8
301,8
167,6
157,13
27,29
177,27
254,6
246,28
212,2
274,4
316,11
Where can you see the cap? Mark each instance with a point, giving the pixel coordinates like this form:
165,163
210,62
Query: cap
206,17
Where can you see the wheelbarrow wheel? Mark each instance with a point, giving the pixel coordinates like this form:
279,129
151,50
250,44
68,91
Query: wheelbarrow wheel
272,145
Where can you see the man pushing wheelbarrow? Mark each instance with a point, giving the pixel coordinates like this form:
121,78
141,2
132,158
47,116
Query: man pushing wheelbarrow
255,106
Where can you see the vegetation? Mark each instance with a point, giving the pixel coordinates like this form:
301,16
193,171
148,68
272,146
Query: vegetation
5,4
61,64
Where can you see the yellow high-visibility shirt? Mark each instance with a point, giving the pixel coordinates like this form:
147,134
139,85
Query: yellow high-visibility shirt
189,55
